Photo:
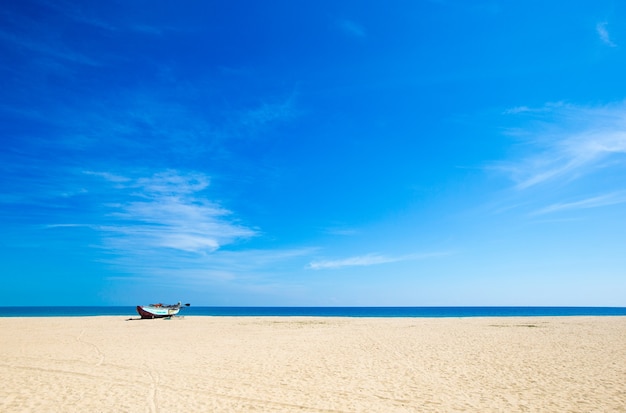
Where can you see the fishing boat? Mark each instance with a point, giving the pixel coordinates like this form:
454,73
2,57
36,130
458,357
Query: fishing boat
159,310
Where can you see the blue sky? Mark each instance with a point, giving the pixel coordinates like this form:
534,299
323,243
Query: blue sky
313,153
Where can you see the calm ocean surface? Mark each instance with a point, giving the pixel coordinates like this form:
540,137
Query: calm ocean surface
324,311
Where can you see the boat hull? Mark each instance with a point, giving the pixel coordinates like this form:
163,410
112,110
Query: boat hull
148,311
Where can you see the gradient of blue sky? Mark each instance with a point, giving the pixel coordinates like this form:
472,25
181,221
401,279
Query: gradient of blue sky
313,153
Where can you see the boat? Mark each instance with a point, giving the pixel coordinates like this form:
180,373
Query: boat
159,310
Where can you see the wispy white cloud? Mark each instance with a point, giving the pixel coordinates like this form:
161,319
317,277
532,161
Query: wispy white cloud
52,226
359,261
368,260
604,34
549,107
167,210
614,198
569,142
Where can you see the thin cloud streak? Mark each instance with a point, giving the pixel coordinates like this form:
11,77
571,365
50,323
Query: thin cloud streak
367,260
576,140
594,202
360,261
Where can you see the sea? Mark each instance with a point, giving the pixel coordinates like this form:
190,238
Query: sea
412,312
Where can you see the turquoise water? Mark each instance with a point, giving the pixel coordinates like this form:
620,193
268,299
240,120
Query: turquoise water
324,311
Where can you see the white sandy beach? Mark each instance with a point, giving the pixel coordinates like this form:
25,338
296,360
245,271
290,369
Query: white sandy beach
286,364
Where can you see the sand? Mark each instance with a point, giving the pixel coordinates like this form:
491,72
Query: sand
303,364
